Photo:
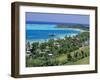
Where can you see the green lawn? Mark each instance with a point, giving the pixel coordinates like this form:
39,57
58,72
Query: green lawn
83,61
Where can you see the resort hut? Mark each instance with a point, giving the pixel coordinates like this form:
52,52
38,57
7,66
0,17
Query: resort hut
56,44
50,54
87,42
29,55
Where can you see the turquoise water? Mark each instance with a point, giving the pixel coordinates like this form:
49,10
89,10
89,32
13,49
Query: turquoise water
41,27
37,32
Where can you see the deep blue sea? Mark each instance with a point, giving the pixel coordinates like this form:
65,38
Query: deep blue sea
47,34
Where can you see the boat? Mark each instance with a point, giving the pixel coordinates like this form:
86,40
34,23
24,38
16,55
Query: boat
52,35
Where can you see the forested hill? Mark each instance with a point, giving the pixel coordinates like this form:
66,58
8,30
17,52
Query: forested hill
78,26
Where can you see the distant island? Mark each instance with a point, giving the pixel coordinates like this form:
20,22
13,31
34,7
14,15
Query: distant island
77,26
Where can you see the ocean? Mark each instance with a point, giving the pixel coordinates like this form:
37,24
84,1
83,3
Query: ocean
33,35
42,32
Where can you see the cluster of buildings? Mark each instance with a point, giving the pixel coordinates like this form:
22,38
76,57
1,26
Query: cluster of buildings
38,50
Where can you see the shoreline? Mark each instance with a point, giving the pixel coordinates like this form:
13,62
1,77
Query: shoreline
62,36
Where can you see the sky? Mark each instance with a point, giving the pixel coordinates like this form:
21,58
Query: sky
57,18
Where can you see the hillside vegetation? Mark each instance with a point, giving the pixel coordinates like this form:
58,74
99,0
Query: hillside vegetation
68,51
